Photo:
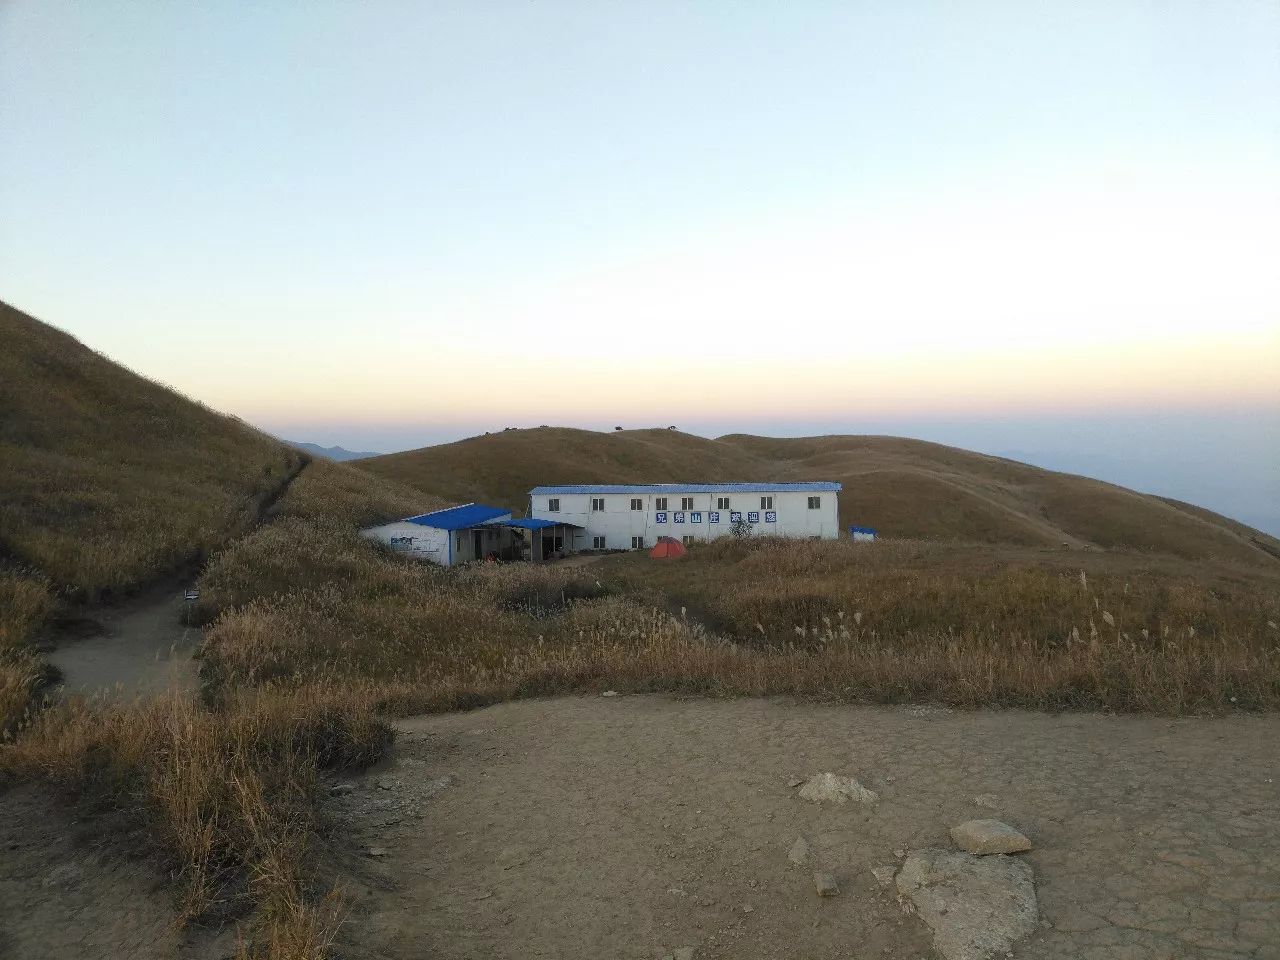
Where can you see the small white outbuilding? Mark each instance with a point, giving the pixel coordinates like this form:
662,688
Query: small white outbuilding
460,534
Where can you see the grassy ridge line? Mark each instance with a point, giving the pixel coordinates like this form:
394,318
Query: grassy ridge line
909,489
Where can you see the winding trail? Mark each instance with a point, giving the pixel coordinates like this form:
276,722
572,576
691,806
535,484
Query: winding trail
142,646
143,649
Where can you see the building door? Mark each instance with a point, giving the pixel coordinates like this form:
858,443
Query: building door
477,544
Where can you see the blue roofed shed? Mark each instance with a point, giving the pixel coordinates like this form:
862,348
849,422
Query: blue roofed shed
461,534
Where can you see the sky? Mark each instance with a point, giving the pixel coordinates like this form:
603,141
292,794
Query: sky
1047,230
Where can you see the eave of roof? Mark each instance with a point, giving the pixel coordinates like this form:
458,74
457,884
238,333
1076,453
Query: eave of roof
813,486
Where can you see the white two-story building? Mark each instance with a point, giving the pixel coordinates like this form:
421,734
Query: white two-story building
634,516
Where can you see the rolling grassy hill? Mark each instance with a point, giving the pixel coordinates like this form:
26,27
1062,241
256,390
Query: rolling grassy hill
109,478
905,488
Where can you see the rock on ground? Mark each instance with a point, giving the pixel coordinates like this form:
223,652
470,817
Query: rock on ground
884,874
799,852
976,907
827,787
825,884
988,836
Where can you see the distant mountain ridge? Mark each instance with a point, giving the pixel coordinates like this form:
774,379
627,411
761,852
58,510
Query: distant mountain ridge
332,453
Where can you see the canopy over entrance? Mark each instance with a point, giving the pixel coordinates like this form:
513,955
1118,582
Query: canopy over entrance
668,548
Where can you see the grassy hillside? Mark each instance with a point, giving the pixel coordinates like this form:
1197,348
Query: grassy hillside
905,488
109,478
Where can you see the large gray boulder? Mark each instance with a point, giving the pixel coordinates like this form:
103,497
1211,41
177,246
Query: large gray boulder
977,907
988,836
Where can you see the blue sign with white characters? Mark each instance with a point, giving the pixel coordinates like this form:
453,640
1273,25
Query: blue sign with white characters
679,517
713,516
660,517
695,517
735,516
770,516
753,516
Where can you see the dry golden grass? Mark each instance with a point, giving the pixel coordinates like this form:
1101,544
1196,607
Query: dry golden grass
25,601
887,622
110,479
228,791
905,488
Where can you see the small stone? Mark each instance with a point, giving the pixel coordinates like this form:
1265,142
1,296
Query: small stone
748,908
799,852
827,787
795,782
825,884
884,875
385,783
899,853
609,693
988,836
988,800
377,852
676,892
341,789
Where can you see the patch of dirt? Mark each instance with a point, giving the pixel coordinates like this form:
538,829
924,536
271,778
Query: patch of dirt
637,826
138,647
80,889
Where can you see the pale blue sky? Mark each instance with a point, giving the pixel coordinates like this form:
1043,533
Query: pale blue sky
337,219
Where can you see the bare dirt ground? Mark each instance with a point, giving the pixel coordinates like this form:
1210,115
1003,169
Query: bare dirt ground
75,888
141,648
637,826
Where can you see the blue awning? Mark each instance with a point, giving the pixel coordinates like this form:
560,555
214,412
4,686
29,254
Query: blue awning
533,523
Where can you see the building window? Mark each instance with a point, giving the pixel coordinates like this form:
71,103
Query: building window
553,505
686,503
815,503
597,504
637,503
597,543
688,541
659,503
766,503
637,543
722,503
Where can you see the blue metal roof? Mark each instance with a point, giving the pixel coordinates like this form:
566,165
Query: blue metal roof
815,485
456,518
870,530
532,523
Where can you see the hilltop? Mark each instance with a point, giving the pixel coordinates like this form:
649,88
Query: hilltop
905,488
110,478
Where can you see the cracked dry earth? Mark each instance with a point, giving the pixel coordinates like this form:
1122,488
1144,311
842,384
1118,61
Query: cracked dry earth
645,826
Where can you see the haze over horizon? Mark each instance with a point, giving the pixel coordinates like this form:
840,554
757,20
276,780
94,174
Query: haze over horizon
1050,231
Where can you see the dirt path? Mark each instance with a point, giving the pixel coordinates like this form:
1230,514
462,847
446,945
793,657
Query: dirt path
635,826
143,648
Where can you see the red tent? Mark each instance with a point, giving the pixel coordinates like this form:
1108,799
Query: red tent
668,548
